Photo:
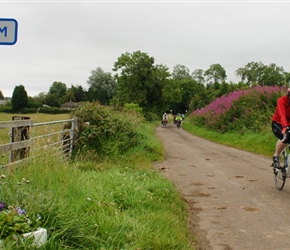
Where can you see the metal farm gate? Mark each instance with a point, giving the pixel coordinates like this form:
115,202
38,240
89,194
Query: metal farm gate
28,139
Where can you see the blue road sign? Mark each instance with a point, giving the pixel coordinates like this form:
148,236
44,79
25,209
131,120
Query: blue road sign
8,31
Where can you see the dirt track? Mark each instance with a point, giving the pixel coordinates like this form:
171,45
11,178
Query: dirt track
232,199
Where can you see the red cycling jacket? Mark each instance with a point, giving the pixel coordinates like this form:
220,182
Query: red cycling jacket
282,113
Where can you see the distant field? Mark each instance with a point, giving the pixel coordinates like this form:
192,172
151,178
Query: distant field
35,117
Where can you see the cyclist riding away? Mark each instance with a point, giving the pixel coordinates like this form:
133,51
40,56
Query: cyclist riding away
178,120
280,125
164,119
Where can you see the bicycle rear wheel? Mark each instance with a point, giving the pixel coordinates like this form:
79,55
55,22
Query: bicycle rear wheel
280,173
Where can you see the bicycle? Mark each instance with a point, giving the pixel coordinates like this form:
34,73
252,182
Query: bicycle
282,172
164,123
178,124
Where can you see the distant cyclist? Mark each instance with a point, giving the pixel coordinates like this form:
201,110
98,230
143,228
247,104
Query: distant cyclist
280,125
164,120
178,120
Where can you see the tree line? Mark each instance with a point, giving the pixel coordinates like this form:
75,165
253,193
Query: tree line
152,87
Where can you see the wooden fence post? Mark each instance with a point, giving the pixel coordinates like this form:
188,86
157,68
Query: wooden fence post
20,134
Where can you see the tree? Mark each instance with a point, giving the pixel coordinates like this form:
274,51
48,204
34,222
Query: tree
80,95
252,73
102,86
68,97
186,86
258,73
273,76
180,72
215,74
140,81
1,95
40,98
52,100
33,103
58,89
19,98
198,75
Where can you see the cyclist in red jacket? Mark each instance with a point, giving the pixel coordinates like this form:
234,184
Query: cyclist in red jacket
280,125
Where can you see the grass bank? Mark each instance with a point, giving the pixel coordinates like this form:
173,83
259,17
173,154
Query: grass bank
116,203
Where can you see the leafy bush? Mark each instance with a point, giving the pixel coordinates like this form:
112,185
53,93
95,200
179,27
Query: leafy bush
132,107
242,110
105,130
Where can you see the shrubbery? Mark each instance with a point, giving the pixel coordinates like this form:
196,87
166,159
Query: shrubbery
106,131
239,111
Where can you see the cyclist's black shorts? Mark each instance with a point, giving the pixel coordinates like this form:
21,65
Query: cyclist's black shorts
276,128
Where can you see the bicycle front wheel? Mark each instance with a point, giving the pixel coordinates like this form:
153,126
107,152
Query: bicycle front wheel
280,178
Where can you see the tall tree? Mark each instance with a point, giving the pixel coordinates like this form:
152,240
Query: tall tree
198,75
180,72
52,100
80,94
58,88
140,81
102,86
252,73
186,85
273,76
1,95
215,74
19,98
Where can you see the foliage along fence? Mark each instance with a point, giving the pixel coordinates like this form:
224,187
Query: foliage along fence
28,139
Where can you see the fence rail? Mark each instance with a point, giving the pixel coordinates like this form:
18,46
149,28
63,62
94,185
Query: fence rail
28,139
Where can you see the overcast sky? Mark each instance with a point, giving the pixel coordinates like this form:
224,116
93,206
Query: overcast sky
65,40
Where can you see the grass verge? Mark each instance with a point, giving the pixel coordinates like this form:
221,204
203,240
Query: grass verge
259,143
116,203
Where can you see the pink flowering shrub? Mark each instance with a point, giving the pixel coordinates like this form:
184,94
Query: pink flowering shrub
249,109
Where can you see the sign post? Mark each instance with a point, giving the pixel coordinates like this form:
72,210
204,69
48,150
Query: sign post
8,31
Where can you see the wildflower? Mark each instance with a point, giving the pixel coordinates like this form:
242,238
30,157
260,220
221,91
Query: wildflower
3,176
2,206
20,211
89,199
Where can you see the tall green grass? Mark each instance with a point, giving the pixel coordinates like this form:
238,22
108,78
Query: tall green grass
116,203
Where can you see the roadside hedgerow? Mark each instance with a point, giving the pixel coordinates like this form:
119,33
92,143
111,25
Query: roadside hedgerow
105,131
241,110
